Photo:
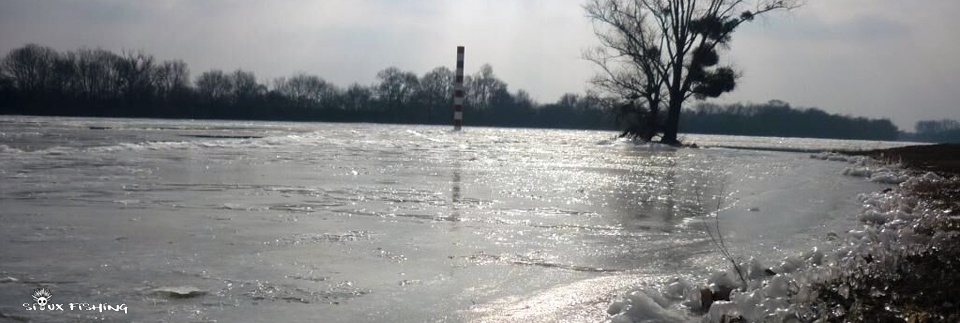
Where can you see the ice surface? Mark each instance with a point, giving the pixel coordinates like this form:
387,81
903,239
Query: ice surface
303,222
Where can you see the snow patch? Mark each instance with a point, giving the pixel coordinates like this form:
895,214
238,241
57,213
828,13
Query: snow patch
832,156
646,306
888,177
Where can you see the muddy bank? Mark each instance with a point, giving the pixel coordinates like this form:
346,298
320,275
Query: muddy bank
941,158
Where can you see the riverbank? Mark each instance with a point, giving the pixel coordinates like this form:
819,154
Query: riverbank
909,275
899,263
940,158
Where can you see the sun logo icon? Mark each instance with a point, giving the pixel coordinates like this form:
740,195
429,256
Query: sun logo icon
41,296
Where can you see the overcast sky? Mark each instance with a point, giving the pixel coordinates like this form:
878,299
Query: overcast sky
897,59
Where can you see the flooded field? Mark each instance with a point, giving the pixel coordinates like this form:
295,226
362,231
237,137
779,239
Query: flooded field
309,222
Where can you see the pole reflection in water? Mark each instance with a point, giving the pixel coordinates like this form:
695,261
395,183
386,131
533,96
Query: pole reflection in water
455,195
455,188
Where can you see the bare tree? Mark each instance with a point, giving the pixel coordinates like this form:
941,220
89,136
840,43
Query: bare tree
215,85
483,88
436,90
171,77
135,71
306,90
656,54
245,86
935,126
397,88
65,70
357,97
96,74
31,68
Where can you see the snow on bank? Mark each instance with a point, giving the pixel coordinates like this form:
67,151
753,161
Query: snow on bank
789,291
863,166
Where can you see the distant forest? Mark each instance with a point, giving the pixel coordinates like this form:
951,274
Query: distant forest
38,80
945,130
777,118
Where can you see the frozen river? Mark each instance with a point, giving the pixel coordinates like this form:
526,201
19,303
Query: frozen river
313,222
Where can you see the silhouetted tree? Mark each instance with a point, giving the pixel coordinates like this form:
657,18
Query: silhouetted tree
135,79
31,68
656,54
945,130
436,92
214,85
245,86
482,87
935,126
357,98
307,90
171,78
777,118
96,74
396,91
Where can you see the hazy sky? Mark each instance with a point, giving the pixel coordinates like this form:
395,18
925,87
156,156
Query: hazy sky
898,59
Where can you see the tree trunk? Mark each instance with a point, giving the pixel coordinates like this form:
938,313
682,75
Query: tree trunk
673,121
653,121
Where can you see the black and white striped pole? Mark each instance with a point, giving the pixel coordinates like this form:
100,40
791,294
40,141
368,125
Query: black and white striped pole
458,92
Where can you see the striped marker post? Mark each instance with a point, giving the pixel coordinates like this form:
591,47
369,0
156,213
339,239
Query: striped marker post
458,92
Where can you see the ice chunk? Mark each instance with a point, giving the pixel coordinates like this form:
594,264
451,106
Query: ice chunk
617,307
724,280
778,287
888,177
756,270
179,291
640,307
858,171
676,290
657,297
790,264
723,311
814,256
872,216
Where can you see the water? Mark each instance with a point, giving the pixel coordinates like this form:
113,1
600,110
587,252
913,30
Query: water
306,222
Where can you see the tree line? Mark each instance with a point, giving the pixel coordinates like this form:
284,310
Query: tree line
38,80
943,131
778,118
